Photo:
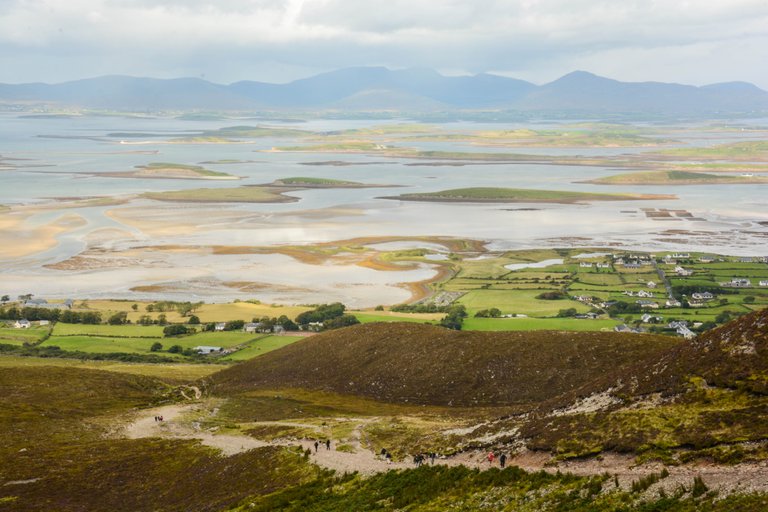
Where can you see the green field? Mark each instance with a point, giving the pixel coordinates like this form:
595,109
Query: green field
128,331
366,318
261,346
12,336
103,344
517,302
537,324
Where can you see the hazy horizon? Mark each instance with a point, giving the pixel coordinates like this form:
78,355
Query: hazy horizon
278,41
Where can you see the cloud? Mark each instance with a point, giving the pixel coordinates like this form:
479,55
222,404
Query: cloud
685,40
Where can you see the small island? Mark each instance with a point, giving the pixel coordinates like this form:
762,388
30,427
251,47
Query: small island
274,192
164,170
519,195
678,178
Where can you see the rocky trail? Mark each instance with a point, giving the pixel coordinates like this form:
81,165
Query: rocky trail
178,423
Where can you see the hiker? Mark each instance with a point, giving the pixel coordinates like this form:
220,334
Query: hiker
503,459
327,444
383,453
491,456
432,456
316,445
161,418
388,456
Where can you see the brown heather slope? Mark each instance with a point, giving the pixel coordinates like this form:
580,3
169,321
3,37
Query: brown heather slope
734,355
423,364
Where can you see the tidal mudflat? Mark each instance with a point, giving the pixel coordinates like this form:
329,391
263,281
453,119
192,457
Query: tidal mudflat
68,227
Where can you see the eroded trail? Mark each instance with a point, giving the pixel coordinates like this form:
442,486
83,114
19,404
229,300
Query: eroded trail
183,422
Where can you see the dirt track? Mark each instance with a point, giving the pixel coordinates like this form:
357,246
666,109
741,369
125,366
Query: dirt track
748,477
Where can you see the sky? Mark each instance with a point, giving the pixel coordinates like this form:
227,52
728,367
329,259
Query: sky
685,41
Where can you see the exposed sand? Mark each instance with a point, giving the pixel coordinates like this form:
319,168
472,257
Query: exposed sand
19,239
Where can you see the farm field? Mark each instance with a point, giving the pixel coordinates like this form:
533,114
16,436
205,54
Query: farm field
12,336
261,346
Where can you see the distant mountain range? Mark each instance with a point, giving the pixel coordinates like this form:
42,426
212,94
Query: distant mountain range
377,88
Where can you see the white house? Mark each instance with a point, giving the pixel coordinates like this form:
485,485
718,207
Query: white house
22,324
585,264
738,283
651,284
252,327
43,322
683,272
673,303
647,304
219,326
643,293
702,296
763,283
685,332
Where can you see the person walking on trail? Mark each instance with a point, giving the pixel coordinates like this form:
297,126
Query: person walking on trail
432,456
327,444
316,445
491,457
503,459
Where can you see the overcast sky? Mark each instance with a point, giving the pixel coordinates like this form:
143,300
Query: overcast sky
686,41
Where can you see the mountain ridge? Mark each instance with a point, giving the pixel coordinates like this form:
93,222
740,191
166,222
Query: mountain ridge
408,89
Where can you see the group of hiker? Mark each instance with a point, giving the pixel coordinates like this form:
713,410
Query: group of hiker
327,444
158,418
502,459
422,458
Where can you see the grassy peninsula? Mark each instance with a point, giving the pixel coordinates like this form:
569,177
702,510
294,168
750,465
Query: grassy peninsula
519,195
677,178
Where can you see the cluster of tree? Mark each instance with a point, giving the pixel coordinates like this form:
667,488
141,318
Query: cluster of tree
567,313
331,316
488,313
53,315
552,295
148,320
455,317
183,308
178,330
623,308
419,308
174,349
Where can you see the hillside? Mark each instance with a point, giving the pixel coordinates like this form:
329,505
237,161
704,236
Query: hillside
422,364
734,356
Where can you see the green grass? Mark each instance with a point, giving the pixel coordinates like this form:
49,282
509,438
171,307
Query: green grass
12,336
103,345
512,195
367,318
518,302
537,324
128,331
261,346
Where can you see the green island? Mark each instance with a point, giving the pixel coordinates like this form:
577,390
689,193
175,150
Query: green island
267,193
248,194
515,195
677,178
749,150
166,170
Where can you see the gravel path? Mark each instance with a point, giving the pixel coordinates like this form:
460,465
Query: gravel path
746,477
